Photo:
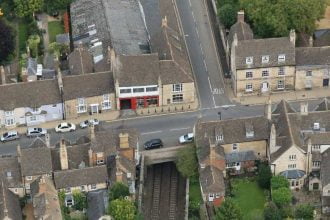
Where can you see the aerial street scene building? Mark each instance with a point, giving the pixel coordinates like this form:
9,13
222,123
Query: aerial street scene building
164,109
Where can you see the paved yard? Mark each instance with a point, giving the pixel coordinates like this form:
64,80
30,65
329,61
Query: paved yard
249,197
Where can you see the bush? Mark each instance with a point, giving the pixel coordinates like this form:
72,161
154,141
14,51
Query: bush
187,162
282,196
304,211
118,191
279,182
264,176
271,212
228,210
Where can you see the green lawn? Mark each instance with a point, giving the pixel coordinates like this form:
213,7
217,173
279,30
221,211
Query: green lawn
22,36
249,197
54,28
195,197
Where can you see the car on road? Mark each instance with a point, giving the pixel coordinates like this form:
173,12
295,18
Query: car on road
153,144
89,122
187,138
35,132
9,136
65,127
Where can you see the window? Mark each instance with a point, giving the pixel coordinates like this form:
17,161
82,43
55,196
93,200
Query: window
9,121
292,166
8,174
281,58
137,90
33,118
281,71
249,60
29,178
292,157
100,162
219,137
202,165
316,147
177,87
265,73
152,101
93,186
309,73
81,105
249,74
82,188
177,98
68,190
125,91
280,84
152,89
235,147
106,104
316,126
35,110
9,113
316,163
265,59
249,87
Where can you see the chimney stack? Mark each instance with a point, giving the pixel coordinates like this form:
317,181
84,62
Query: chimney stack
123,140
272,140
47,139
3,76
310,41
240,16
19,153
304,108
90,157
293,37
63,155
92,132
268,110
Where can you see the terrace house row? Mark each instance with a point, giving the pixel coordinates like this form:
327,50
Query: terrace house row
295,144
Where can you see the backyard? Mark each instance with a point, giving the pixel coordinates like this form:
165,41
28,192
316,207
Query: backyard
249,197
54,28
195,197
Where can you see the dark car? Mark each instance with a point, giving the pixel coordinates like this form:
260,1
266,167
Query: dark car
152,144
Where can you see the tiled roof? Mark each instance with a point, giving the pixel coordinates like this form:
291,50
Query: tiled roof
87,85
242,30
308,56
29,94
325,164
80,62
240,156
9,202
212,181
78,177
36,161
10,172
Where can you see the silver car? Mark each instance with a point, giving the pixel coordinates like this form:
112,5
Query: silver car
35,132
9,136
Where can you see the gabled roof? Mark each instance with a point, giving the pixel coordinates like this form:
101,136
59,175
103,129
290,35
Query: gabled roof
211,180
10,172
323,106
280,107
29,94
325,164
9,204
36,161
122,164
88,85
322,38
311,56
37,142
78,177
80,62
242,30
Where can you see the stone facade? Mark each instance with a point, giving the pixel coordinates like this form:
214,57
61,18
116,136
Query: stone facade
258,147
188,93
311,77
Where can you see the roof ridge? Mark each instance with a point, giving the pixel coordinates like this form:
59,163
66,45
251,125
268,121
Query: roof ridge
287,119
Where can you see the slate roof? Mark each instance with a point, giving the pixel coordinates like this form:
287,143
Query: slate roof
322,38
10,172
310,56
97,201
211,180
9,202
37,142
171,73
240,156
325,164
78,177
242,30
256,48
233,131
138,70
29,94
119,163
36,161
323,106
80,62
320,138
293,174
87,85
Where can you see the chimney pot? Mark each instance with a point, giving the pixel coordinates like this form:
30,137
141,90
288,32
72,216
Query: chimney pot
240,16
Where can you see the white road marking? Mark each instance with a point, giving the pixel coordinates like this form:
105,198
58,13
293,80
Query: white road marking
151,132
209,83
178,129
227,106
190,3
205,64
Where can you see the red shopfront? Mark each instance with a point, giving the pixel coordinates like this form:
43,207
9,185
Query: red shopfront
139,102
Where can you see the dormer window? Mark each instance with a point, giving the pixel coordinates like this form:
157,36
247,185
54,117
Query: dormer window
202,165
265,59
219,137
249,131
316,126
249,60
8,174
281,58
235,147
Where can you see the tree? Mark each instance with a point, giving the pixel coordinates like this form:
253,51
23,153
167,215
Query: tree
227,15
25,8
53,6
279,182
80,200
58,49
122,209
187,161
33,43
264,176
228,210
118,191
304,211
282,196
271,212
7,44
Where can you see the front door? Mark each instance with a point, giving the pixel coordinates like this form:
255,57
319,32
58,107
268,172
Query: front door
325,82
125,104
315,186
94,108
264,87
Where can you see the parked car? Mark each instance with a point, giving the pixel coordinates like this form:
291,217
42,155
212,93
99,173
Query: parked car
187,138
65,127
89,122
9,136
35,132
152,144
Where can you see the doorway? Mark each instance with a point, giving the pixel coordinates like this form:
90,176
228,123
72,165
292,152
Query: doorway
94,108
125,104
325,82
264,87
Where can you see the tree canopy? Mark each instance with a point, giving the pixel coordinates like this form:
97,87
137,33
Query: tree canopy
304,211
282,196
271,212
53,6
264,176
122,209
228,210
25,8
279,182
7,43
118,191
80,200
187,161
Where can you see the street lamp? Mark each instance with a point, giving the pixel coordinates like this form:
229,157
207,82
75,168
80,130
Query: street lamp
219,113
